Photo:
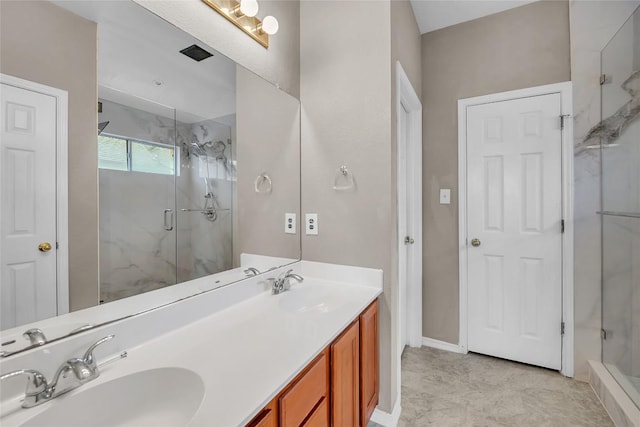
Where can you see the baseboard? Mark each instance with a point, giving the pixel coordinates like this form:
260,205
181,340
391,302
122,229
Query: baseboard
441,345
386,419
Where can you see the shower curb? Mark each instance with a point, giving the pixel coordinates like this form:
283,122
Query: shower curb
621,409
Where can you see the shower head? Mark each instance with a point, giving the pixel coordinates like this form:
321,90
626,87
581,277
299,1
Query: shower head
101,126
197,149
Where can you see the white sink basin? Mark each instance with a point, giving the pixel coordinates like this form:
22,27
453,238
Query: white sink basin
309,299
157,397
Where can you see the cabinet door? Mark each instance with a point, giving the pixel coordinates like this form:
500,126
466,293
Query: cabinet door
345,378
369,383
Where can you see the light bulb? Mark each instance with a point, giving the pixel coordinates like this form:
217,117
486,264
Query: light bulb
270,25
249,7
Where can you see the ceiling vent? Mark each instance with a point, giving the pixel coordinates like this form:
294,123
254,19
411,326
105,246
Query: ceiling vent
196,53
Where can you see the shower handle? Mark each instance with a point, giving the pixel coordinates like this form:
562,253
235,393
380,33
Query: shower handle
168,219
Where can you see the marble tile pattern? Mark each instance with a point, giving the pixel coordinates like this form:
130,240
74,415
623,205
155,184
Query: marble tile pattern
442,389
593,24
205,244
137,254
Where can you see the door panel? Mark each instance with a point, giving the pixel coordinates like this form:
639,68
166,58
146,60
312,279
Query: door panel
515,211
27,206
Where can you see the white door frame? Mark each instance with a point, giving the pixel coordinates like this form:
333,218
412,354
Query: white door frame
565,91
409,201
62,196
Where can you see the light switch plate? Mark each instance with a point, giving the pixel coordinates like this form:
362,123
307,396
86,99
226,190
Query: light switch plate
290,223
311,224
445,196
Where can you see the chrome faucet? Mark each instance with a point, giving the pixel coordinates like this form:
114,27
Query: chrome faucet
283,282
251,271
35,336
72,374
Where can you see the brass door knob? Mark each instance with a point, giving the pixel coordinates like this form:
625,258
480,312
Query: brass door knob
409,241
44,247
475,243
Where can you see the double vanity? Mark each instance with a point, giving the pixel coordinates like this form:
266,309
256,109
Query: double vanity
238,355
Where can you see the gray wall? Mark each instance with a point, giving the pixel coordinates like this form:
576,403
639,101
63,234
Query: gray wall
268,140
522,47
280,64
347,69
60,51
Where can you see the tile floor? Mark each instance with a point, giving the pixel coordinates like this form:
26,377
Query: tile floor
446,389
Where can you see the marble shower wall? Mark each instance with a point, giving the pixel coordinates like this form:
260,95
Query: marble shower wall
593,24
620,135
205,246
137,254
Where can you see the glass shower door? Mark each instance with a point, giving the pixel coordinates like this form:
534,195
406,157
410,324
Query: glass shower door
137,172
619,132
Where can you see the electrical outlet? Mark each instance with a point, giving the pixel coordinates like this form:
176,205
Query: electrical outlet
445,196
311,224
290,223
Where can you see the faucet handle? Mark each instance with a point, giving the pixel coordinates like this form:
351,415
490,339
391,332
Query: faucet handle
285,274
35,336
36,384
88,355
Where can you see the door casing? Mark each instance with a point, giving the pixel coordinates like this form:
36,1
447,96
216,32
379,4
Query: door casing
565,91
409,201
62,196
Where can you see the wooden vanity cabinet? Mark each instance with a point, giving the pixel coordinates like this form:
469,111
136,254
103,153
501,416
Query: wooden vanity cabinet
369,363
305,399
339,388
268,417
345,378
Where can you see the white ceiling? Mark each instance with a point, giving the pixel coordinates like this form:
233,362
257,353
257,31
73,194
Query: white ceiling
137,48
435,14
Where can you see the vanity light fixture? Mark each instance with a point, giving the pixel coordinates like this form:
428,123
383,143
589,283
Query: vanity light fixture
242,15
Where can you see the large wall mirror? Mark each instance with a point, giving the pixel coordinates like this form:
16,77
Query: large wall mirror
138,166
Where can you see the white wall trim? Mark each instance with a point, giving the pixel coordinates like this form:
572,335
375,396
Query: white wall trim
565,91
387,419
442,345
62,188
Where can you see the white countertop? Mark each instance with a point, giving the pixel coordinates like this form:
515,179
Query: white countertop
245,354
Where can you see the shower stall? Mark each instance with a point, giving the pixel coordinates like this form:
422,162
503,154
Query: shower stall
167,193
619,134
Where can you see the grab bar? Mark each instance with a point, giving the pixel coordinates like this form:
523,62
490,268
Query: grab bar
623,214
204,210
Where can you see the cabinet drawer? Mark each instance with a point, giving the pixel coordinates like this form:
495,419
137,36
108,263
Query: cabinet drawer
320,417
298,402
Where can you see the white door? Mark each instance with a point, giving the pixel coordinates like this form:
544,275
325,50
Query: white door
404,224
514,214
27,206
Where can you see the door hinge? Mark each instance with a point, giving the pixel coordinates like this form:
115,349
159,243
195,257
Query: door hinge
563,117
603,334
57,245
605,79
562,226
561,328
